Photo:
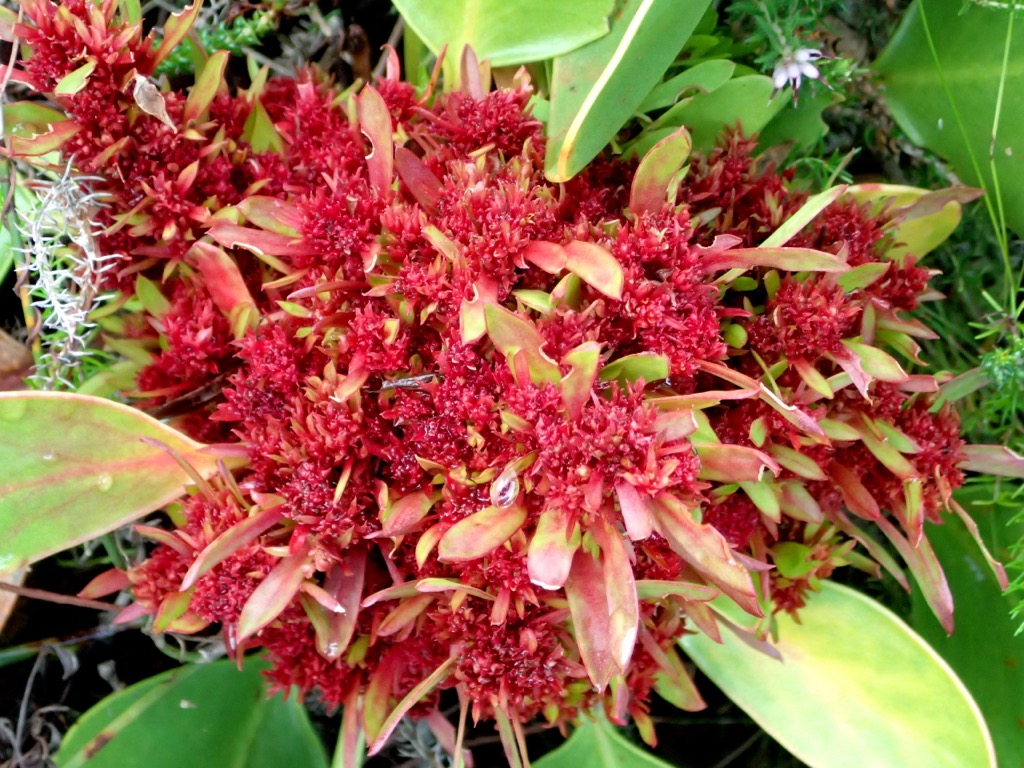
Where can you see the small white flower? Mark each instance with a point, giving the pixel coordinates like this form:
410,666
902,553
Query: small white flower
793,68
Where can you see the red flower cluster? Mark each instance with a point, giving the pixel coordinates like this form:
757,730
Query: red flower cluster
504,436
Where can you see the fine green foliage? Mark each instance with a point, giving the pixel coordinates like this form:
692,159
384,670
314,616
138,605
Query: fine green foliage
599,745
852,674
203,714
505,33
76,467
595,89
984,650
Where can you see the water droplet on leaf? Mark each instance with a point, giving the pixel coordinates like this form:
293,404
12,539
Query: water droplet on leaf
505,488
104,481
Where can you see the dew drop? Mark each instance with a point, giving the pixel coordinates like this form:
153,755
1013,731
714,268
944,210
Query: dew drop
104,481
49,456
505,488
332,650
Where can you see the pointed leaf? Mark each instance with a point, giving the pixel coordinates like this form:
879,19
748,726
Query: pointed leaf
76,467
405,514
620,590
652,181
636,515
511,334
273,214
476,535
595,266
789,259
233,539
706,550
993,460
805,215
207,84
927,572
551,551
421,182
550,257
259,241
831,689
43,143
175,29
876,363
588,606
375,122
273,595
733,463
410,700
222,277
577,385
862,276
75,81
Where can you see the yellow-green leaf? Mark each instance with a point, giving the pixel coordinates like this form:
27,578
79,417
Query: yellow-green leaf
852,674
76,467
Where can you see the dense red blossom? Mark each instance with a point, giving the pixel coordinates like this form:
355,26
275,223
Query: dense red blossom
532,395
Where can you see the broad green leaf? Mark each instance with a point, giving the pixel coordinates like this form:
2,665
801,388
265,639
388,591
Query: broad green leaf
76,467
598,745
923,219
983,650
705,76
853,674
505,32
969,48
744,101
800,124
596,88
203,714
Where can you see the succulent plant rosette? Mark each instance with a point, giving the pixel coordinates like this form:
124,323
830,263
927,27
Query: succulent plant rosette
483,432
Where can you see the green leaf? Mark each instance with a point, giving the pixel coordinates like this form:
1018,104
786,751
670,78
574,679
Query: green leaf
76,467
652,183
805,215
922,220
505,33
705,76
969,47
598,745
853,674
477,534
800,124
209,714
596,88
745,101
75,81
175,29
984,650
209,81
642,365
